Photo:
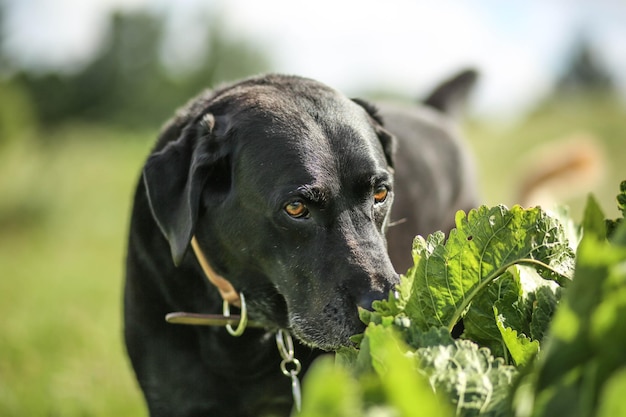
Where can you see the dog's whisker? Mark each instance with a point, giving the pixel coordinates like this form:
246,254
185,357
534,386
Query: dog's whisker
397,222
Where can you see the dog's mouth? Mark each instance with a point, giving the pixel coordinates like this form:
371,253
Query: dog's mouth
328,338
330,330
324,325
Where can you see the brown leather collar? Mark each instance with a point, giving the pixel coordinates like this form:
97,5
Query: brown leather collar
226,289
228,294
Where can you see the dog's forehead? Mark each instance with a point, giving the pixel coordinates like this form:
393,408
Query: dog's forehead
311,135
288,104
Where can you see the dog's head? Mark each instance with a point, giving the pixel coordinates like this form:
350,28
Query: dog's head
287,185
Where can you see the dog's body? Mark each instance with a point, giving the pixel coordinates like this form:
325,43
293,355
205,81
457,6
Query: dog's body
435,174
287,186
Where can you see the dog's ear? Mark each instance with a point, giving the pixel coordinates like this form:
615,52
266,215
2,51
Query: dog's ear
451,95
389,144
174,178
387,140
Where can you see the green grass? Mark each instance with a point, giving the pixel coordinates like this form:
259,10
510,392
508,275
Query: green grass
61,260
64,211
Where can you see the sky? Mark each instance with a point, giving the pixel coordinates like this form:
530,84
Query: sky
408,46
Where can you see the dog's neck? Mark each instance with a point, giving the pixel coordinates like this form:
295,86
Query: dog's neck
231,296
225,288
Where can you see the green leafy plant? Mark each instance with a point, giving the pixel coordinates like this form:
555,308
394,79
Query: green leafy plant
542,330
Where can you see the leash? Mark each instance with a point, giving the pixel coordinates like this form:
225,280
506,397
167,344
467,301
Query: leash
229,295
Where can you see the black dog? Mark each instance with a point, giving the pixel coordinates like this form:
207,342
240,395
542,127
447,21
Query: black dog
287,186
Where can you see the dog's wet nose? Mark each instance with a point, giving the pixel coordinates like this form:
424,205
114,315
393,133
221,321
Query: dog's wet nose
367,299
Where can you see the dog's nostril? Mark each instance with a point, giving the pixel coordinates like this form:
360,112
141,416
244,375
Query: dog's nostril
366,300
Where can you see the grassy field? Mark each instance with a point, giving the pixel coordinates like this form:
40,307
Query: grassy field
63,218
61,256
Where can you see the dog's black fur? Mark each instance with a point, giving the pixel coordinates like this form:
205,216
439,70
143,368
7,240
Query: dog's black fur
225,169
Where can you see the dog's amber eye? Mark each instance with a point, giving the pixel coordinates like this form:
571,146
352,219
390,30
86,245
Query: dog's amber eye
380,194
297,209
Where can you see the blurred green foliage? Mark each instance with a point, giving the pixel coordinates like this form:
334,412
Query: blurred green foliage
506,153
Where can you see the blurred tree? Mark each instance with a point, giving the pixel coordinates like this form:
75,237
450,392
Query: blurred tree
226,59
16,114
584,83
3,61
128,85
125,81
584,73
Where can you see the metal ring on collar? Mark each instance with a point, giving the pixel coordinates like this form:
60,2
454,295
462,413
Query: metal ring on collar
244,317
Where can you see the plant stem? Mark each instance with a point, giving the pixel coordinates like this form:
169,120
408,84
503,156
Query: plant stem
560,279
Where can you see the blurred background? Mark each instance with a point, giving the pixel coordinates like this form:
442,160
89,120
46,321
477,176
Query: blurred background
86,85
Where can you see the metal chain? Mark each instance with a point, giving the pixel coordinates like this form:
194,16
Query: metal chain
285,348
